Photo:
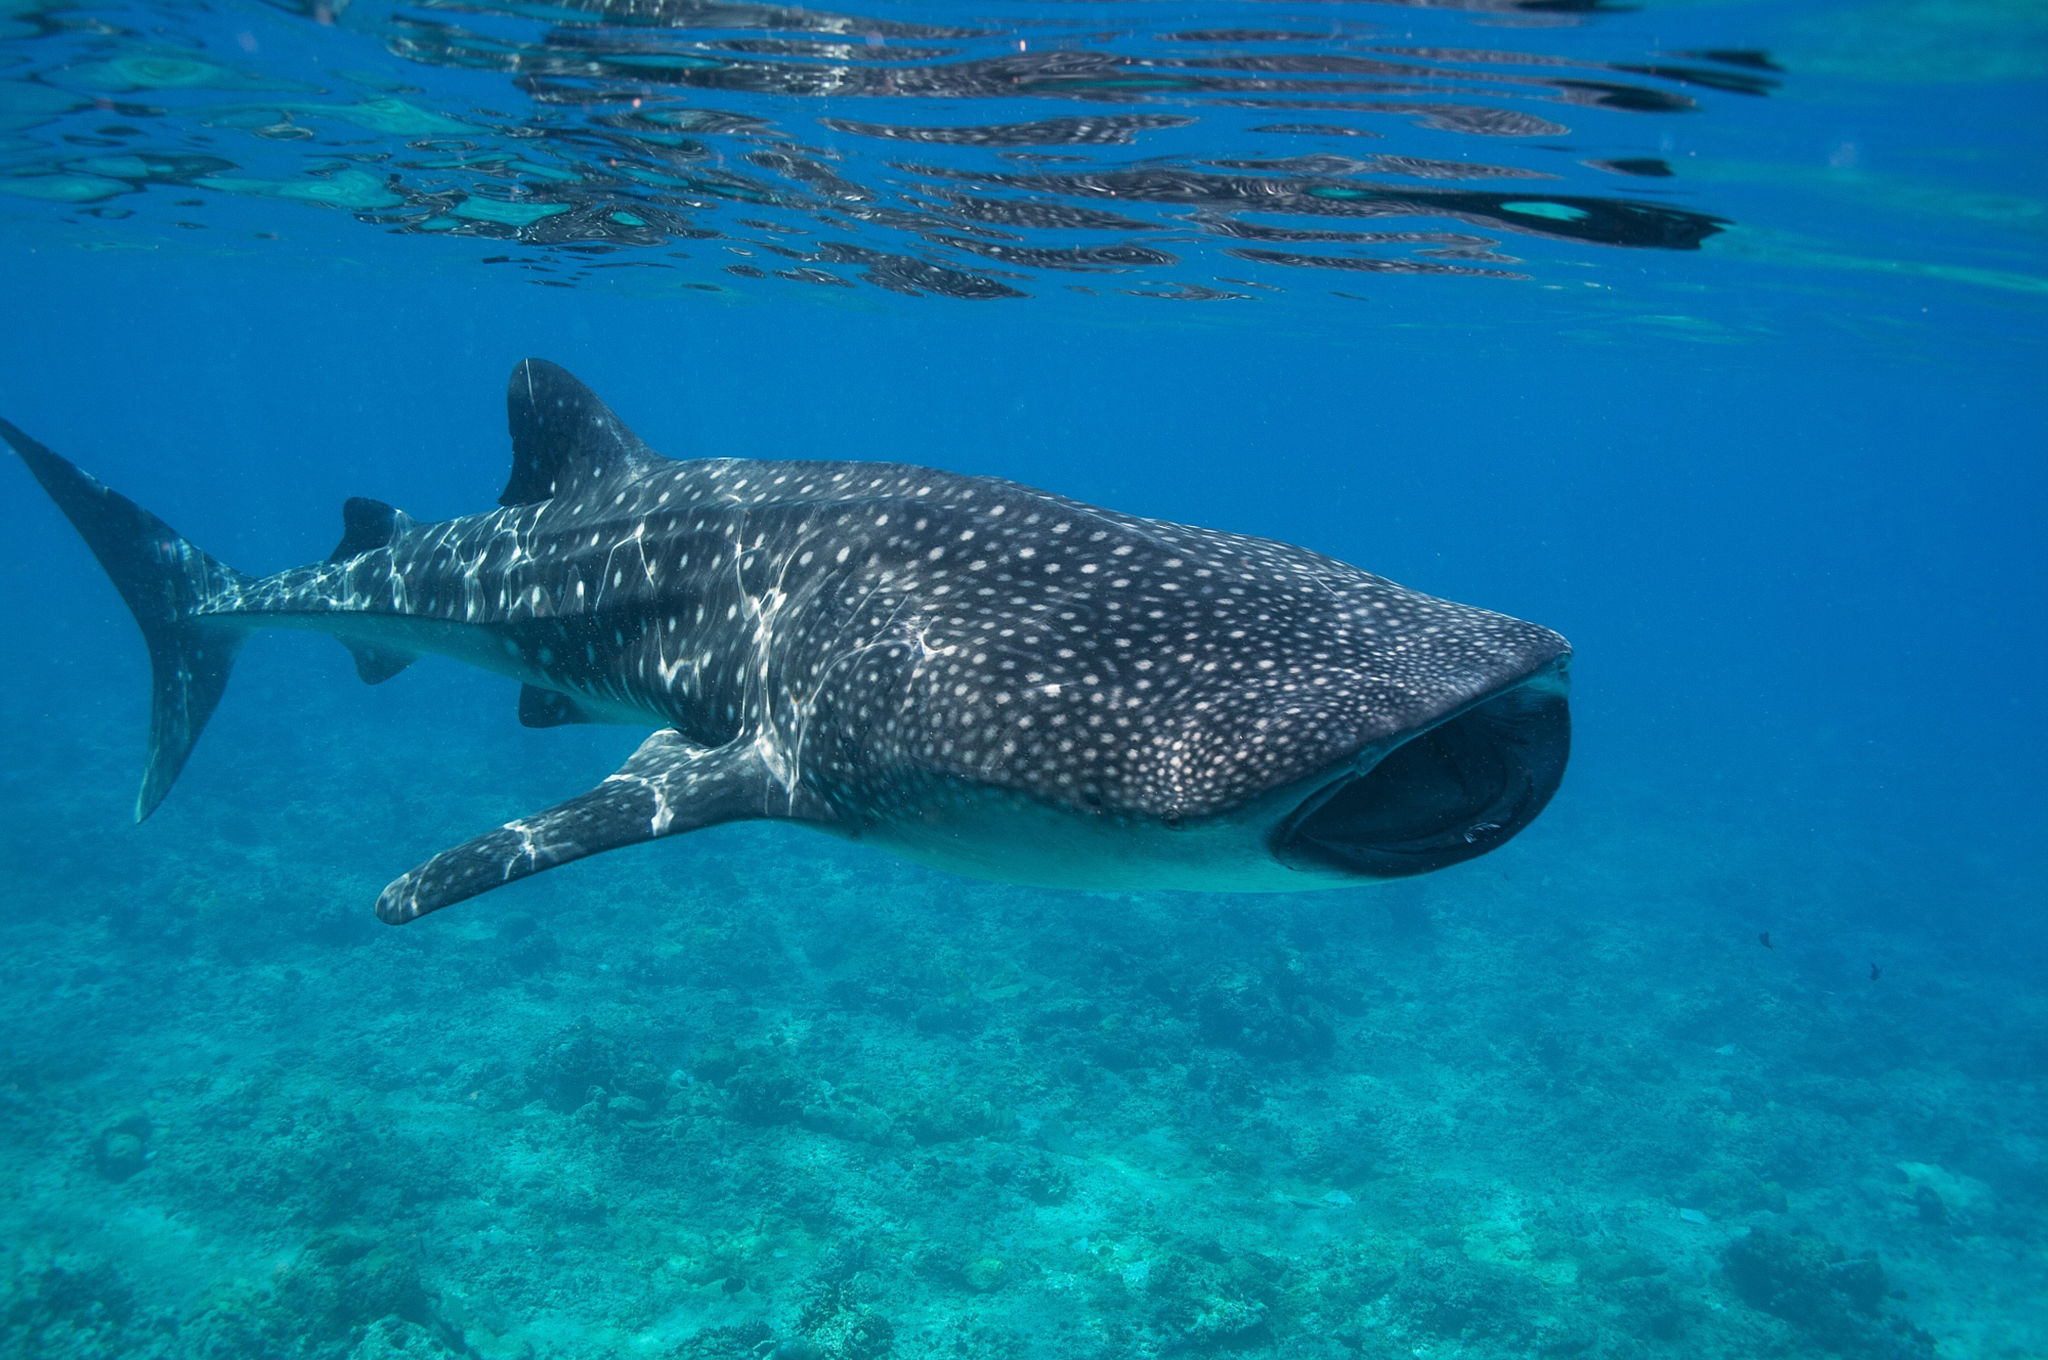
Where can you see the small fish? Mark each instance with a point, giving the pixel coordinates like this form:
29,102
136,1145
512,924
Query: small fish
1875,972
1765,940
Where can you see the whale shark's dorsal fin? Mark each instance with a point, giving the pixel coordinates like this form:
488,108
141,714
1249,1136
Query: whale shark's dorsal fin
667,787
563,437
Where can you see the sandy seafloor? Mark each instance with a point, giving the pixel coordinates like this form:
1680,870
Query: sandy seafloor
759,1093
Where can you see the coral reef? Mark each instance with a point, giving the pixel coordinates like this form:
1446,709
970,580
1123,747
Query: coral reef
756,1094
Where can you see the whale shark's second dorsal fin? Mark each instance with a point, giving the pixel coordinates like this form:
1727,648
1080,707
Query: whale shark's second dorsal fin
563,437
366,526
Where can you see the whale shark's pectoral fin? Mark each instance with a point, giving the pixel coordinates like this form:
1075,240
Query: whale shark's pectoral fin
668,787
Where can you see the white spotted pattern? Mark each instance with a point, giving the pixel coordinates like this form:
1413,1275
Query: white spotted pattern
883,633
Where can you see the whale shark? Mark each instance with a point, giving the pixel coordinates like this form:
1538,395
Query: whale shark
958,669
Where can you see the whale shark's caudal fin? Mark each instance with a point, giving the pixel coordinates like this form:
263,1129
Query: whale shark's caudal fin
165,580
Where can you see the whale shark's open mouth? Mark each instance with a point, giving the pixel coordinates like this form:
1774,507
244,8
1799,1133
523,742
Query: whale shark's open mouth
1448,795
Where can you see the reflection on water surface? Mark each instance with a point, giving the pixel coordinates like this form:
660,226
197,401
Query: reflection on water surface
1078,146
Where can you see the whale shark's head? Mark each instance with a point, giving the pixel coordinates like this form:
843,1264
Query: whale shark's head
1461,774
1133,704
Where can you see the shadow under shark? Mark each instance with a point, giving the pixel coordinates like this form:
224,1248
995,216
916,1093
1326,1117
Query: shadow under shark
969,672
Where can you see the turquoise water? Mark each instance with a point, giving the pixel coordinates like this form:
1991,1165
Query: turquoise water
1708,334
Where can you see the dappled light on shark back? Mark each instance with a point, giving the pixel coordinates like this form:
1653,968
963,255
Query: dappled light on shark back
976,674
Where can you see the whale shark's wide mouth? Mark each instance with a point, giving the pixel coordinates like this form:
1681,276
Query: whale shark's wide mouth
1450,794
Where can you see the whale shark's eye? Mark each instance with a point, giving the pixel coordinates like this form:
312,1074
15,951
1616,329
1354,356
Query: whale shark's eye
1451,794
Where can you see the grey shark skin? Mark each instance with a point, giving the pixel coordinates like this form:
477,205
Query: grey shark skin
963,670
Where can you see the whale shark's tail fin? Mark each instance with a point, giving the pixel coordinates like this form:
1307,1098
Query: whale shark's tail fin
165,581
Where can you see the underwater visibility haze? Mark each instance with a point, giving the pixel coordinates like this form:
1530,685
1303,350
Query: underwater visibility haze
951,386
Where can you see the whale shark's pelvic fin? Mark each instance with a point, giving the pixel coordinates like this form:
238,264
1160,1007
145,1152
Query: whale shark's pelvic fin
563,437
546,708
668,787
165,581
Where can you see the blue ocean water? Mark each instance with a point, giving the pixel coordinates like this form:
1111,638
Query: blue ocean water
1709,334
